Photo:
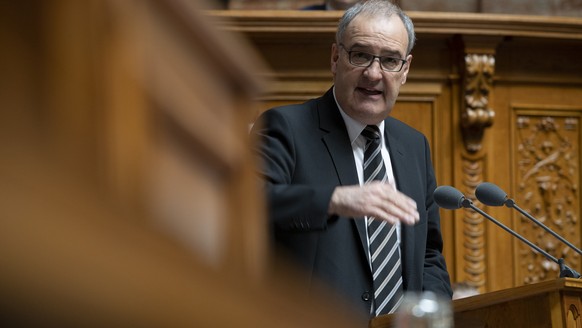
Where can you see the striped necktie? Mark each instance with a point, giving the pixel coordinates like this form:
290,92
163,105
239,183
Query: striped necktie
383,240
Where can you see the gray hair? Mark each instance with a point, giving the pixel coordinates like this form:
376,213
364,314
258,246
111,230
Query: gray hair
376,8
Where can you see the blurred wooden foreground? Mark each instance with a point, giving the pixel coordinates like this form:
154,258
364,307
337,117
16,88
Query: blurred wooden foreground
126,186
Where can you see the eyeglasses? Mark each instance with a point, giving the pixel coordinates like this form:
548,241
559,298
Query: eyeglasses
364,59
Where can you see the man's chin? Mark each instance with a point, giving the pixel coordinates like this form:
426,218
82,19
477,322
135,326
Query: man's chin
375,115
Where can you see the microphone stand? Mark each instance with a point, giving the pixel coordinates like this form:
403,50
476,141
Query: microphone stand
511,203
565,271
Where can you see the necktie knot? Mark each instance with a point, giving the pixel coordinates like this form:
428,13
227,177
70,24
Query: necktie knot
373,163
371,132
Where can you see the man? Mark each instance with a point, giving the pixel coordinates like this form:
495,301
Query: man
321,166
332,5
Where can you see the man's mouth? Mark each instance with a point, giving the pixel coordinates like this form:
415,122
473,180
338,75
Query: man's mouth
370,92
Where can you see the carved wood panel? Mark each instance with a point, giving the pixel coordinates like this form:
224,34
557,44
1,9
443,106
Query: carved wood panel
474,240
572,307
547,177
478,68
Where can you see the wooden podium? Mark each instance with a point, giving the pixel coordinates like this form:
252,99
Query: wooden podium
555,303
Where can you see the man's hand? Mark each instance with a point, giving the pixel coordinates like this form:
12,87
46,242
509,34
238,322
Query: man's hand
376,199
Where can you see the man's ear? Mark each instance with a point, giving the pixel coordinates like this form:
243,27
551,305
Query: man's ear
334,57
406,69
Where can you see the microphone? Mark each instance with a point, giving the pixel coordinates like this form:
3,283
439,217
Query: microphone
450,198
491,195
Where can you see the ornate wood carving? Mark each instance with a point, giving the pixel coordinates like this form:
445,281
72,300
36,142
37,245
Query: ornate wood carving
477,115
473,225
547,166
573,316
478,67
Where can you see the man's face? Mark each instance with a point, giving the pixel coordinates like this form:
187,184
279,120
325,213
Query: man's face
367,94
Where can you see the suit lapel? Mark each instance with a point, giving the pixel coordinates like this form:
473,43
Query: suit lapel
402,172
337,141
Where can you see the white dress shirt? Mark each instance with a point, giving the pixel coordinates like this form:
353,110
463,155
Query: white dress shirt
358,143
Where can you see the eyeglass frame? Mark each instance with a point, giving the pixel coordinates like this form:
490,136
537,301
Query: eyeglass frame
403,61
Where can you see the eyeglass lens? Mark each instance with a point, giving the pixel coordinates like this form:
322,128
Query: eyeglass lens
359,58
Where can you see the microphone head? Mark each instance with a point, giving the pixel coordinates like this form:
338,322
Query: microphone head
448,197
490,194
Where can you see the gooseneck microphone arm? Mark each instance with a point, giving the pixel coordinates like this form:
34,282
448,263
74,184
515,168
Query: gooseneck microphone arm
515,234
490,194
510,203
450,198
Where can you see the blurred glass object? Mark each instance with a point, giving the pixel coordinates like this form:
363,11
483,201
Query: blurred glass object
424,310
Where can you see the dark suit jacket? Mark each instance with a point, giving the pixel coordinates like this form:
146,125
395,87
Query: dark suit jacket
306,152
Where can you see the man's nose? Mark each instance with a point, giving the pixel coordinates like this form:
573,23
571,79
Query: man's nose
374,70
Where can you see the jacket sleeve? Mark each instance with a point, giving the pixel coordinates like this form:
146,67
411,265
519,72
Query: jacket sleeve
291,204
435,277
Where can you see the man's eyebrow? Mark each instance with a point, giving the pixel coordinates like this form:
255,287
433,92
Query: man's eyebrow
391,53
383,53
356,45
